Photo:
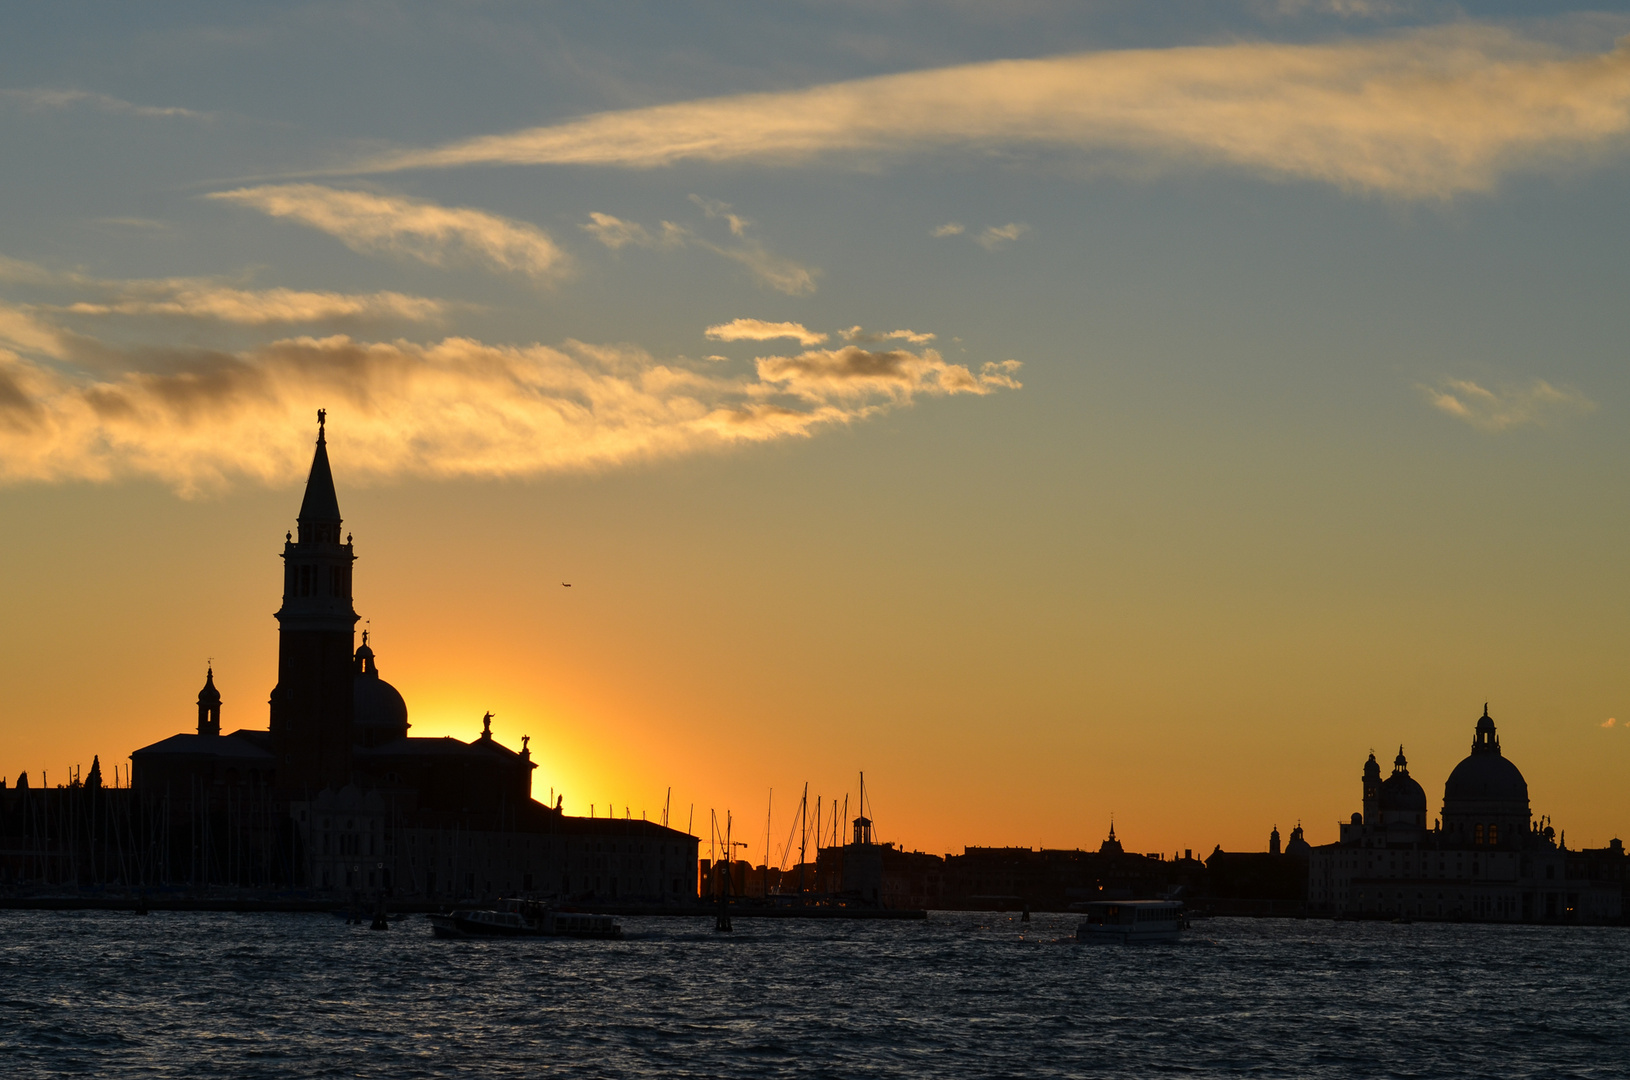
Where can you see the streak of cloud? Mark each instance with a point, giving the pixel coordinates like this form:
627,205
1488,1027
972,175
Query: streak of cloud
458,407
759,330
615,233
950,228
824,375
860,333
995,236
1427,114
46,98
23,331
713,208
1535,404
259,307
779,273
370,223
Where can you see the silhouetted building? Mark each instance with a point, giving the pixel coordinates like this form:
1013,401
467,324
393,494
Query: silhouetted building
1272,882
334,794
1487,859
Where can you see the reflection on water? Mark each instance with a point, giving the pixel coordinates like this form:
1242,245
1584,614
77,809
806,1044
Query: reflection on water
201,995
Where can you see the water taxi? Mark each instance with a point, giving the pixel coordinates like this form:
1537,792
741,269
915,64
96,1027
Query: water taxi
523,918
1132,920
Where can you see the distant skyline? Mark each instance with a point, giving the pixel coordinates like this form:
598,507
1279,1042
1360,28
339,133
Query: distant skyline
1051,409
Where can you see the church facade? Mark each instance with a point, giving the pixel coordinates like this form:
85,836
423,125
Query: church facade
335,795
1486,859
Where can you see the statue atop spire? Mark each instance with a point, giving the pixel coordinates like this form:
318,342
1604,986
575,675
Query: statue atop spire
321,506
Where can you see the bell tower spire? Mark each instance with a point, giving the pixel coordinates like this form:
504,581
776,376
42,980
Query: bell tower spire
311,705
209,705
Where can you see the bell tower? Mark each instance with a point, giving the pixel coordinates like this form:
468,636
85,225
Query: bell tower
209,705
1372,789
311,705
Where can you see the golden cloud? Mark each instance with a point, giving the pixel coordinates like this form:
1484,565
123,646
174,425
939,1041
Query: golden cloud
1535,403
258,307
393,224
779,273
759,330
457,407
1424,114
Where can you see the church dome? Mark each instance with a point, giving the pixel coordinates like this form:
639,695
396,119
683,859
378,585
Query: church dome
1400,792
1485,776
377,707
376,703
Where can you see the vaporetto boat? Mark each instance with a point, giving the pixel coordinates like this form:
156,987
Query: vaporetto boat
523,918
1132,920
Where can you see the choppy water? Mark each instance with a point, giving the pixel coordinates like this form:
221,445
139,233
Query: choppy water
201,995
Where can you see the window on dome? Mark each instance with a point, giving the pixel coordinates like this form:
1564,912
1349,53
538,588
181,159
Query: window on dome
1477,834
1494,834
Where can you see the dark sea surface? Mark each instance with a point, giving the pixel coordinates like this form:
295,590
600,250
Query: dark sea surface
961,995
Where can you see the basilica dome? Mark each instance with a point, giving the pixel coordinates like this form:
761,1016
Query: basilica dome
377,707
1485,801
1486,776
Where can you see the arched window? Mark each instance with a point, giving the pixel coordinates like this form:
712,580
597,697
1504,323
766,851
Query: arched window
1494,835
1477,834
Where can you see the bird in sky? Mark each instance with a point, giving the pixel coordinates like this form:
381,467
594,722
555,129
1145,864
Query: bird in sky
566,584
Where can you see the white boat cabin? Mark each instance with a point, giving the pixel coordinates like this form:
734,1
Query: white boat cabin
1132,920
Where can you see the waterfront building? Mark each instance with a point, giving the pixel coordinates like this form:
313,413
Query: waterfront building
334,795
1487,858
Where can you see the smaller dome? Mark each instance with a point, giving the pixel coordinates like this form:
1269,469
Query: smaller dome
1298,844
1400,792
376,705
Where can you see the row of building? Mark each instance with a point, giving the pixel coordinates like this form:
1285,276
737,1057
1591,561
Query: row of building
334,796
1486,858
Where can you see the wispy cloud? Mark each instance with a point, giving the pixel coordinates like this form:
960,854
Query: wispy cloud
779,273
46,98
713,208
1609,722
853,373
994,236
258,307
759,330
458,407
1424,114
860,333
1343,9
616,233
210,299
396,225
1534,403
950,228
23,331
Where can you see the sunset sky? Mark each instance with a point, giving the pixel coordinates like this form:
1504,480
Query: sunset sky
1054,410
